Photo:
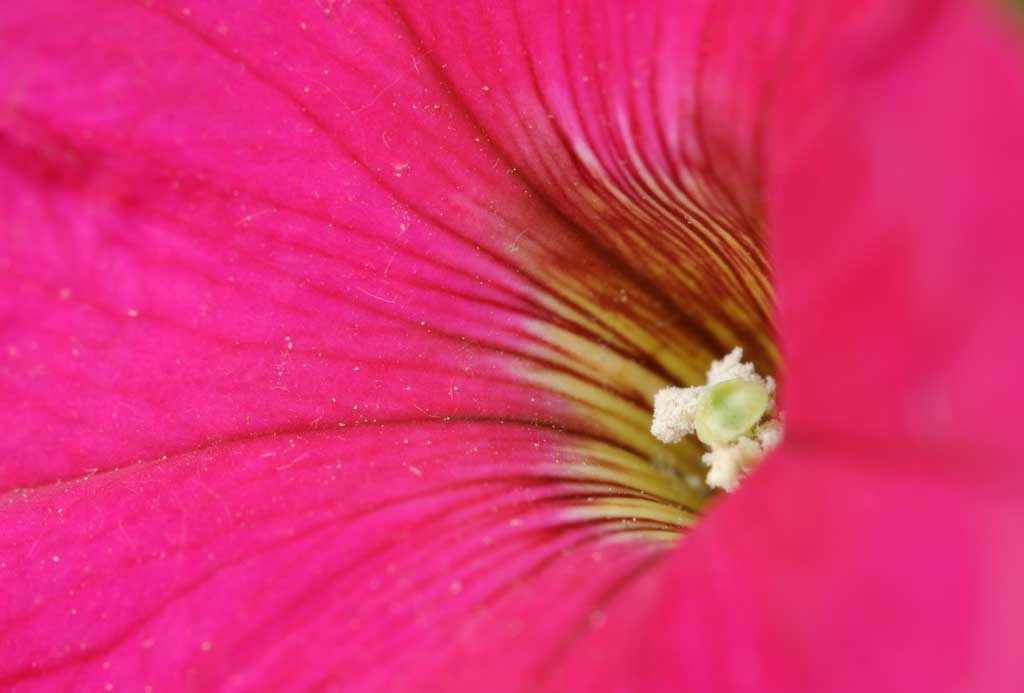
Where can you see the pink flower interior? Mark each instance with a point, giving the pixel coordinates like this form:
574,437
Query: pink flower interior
330,332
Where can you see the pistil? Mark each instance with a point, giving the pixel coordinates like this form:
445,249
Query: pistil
733,414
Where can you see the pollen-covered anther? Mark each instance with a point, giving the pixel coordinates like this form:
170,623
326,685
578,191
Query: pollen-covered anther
733,414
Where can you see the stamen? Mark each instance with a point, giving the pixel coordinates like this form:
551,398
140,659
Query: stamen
733,414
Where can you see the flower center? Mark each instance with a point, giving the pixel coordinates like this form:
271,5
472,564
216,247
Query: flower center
665,273
733,414
729,410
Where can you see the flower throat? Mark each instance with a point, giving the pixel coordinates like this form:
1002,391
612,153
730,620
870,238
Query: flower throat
733,414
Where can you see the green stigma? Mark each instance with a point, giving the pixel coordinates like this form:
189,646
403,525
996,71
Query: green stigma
728,410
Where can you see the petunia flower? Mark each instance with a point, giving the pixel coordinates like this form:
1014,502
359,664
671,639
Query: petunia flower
330,334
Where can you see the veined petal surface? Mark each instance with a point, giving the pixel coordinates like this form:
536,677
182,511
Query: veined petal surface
331,329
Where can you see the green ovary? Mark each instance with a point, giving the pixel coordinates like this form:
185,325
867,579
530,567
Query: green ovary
729,410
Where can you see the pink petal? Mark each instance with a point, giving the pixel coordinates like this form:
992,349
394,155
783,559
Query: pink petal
876,550
345,560
826,572
898,240
249,256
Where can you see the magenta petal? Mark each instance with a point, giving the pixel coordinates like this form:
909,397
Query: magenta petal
875,550
294,561
178,274
191,261
844,577
898,240
273,379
